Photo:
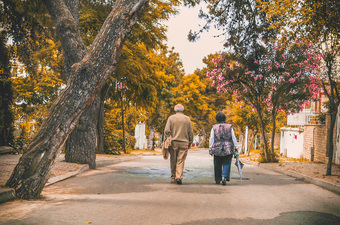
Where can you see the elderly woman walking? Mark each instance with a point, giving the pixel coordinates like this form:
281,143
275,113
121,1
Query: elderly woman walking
222,144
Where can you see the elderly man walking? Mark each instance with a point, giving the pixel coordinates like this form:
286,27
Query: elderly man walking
179,128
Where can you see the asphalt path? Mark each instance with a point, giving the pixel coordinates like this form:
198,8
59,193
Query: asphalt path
140,192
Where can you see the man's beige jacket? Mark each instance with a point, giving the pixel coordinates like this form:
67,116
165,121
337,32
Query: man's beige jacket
180,128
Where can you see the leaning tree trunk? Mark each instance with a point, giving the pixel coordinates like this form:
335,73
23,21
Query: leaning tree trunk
151,137
85,83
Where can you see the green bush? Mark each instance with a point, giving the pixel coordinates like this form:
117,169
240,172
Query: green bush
114,142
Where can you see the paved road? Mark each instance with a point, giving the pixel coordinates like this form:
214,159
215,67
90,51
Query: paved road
139,192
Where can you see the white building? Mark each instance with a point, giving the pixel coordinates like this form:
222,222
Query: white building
305,135
141,141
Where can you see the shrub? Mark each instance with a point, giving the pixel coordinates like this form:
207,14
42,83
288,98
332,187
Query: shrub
114,144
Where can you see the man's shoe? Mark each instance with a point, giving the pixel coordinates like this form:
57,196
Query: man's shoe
178,181
173,180
218,182
224,181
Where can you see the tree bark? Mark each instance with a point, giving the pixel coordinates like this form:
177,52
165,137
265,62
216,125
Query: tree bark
272,155
82,142
123,126
101,119
330,143
85,83
88,136
264,137
151,137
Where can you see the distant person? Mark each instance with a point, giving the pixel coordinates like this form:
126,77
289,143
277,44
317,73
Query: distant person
222,144
179,128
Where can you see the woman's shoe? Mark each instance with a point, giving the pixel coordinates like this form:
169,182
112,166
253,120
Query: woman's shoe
224,181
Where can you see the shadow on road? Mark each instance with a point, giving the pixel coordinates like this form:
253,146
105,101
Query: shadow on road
299,217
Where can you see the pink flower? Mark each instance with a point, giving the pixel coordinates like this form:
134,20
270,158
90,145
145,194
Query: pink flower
260,76
242,106
256,61
274,88
237,64
286,73
255,78
269,67
277,65
283,56
291,80
248,72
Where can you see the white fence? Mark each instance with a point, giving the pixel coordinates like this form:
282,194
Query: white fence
303,118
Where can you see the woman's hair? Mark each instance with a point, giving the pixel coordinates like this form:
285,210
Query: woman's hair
220,117
179,108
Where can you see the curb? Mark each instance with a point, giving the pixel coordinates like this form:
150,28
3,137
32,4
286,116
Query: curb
8,194
323,184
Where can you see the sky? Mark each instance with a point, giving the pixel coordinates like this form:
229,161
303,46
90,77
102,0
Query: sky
191,53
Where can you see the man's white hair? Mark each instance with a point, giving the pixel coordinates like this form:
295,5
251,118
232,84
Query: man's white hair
179,108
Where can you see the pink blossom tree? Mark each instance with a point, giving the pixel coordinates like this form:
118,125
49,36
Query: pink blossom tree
283,78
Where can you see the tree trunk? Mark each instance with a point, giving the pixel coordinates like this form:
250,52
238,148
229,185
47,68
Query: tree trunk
151,137
330,143
272,155
101,119
6,96
87,138
123,126
85,83
264,137
81,144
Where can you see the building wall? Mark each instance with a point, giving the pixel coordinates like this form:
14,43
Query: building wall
315,136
